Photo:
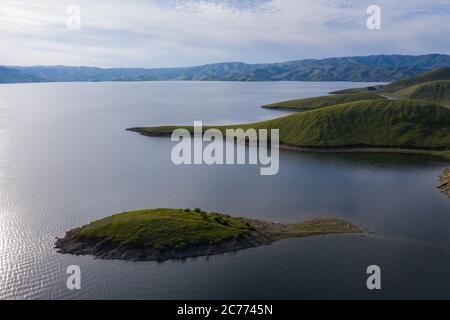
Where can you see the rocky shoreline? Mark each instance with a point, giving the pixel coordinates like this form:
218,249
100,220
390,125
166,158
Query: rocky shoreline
444,181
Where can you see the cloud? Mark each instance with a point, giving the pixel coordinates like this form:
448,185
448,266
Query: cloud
188,32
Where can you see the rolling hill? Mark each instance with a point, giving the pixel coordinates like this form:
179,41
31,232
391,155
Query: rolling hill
433,86
437,91
376,68
442,73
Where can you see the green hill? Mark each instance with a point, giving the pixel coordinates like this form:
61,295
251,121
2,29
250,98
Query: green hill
400,124
436,91
433,75
321,102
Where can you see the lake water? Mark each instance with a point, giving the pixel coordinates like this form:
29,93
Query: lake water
66,159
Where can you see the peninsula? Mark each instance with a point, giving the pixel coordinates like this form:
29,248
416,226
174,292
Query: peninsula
163,234
408,116
400,126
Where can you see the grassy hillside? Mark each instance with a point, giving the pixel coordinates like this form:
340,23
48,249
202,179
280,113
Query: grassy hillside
434,75
406,124
321,102
436,91
430,86
161,228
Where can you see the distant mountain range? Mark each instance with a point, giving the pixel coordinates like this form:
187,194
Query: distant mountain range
12,75
376,68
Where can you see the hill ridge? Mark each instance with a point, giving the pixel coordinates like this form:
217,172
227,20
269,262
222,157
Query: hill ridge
374,68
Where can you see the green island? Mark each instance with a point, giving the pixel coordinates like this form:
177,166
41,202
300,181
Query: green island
407,116
163,234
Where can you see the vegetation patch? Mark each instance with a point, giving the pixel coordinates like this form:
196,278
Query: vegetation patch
436,91
433,75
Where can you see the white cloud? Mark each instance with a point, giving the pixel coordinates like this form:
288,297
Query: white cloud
187,32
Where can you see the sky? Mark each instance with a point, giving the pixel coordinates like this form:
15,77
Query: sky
172,33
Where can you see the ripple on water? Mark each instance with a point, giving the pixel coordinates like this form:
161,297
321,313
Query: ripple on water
65,161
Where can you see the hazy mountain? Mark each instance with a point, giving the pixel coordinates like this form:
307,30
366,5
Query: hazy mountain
10,75
377,68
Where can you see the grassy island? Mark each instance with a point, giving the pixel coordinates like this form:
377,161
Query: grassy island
163,234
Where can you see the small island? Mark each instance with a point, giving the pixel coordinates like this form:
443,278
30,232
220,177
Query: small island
445,182
164,234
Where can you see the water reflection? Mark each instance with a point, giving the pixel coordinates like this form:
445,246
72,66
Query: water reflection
66,159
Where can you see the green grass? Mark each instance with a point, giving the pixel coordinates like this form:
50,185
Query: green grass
433,75
436,91
325,101
407,124
166,228
177,228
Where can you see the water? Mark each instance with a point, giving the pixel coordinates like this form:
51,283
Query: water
65,160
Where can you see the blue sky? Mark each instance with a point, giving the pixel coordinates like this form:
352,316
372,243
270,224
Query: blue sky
158,33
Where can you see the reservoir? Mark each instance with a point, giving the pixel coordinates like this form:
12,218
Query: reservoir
66,160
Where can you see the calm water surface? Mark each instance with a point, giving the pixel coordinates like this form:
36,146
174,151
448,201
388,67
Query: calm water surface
65,160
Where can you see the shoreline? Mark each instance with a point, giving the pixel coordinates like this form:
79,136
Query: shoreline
445,154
